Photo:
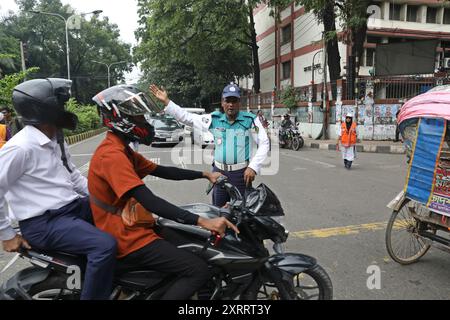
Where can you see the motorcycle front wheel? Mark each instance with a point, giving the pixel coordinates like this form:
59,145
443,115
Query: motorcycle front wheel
312,284
297,143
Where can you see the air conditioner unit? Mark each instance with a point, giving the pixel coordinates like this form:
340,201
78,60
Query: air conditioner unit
447,63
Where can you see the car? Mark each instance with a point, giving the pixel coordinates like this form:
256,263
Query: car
202,138
167,130
188,129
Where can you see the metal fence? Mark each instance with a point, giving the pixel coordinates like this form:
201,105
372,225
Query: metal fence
399,87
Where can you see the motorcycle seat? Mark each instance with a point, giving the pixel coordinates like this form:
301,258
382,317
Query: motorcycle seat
140,279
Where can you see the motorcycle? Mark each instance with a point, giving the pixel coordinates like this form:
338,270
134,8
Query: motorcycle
291,138
241,266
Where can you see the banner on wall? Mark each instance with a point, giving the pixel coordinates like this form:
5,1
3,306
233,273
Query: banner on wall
385,114
440,199
428,182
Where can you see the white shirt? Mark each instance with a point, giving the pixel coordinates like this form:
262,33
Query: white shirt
203,122
33,178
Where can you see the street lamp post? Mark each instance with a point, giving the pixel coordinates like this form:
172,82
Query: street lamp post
313,67
109,68
66,21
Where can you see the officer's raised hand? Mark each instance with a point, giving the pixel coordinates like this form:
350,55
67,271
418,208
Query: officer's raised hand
160,94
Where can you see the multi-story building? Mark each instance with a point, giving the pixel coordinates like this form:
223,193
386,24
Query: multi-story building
287,49
290,53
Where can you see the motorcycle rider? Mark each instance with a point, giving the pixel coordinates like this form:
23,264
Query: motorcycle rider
115,176
45,191
286,124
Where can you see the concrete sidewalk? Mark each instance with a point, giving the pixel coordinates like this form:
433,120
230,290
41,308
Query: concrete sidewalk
362,146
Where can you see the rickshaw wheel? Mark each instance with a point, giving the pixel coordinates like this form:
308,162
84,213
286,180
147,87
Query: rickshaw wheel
403,242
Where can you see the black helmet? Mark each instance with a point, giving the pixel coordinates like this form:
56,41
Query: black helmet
120,107
41,101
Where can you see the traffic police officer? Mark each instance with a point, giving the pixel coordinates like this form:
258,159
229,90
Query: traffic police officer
232,130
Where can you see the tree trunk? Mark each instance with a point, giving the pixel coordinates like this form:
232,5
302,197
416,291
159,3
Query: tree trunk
334,58
254,45
359,35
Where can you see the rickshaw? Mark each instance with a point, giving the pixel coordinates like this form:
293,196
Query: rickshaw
421,212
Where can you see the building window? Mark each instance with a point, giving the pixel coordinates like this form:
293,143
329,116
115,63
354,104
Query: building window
286,34
446,16
411,13
431,15
394,12
373,39
369,57
286,70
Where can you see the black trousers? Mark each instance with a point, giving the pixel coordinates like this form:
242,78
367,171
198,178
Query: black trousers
160,255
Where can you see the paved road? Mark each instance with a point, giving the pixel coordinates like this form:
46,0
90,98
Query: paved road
335,215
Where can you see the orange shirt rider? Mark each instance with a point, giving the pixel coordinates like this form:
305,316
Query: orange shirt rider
114,170
2,135
348,136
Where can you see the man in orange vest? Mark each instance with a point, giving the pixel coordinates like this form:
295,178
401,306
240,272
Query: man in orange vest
347,138
3,131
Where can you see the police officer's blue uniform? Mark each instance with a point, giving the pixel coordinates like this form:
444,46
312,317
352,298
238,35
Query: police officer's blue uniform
232,147
232,141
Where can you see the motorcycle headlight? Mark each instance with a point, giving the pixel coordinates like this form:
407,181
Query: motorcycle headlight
280,220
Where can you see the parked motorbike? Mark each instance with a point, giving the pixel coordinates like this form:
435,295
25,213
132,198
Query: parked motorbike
241,265
291,138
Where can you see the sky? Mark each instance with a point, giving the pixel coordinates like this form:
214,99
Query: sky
121,12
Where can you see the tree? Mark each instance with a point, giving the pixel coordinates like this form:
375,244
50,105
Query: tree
325,12
8,83
46,46
353,17
196,45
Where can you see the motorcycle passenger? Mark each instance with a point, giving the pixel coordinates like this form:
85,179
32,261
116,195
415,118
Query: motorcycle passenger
115,177
45,191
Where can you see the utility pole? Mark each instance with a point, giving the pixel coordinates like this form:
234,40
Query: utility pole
325,89
108,66
22,57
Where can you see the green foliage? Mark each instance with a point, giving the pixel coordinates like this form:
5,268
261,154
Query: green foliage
88,117
289,98
8,83
44,37
193,48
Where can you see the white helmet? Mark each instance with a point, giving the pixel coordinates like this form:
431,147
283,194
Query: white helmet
349,115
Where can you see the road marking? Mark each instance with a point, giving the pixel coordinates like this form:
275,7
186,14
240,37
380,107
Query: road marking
328,165
344,231
299,169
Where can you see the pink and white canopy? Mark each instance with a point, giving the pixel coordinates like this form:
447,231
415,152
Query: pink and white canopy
432,104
